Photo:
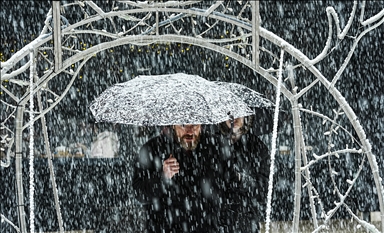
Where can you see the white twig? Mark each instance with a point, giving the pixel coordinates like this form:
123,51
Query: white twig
331,12
373,18
3,218
50,165
333,122
212,8
362,7
352,50
366,225
320,157
96,8
16,72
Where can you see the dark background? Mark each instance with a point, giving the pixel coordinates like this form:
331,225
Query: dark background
96,193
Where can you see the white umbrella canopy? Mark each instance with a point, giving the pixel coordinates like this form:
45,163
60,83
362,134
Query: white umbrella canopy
171,99
263,108
251,97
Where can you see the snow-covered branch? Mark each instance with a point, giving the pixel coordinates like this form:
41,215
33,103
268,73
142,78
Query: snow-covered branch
352,50
326,155
373,18
3,218
366,225
332,13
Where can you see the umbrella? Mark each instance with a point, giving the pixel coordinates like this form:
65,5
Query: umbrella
263,108
168,100
250,97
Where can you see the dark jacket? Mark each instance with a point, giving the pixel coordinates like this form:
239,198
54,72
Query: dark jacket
198,199
252,161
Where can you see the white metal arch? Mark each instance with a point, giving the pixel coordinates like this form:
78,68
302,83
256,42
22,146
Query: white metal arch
183,9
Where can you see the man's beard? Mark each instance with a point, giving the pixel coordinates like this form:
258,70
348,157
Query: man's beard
191,145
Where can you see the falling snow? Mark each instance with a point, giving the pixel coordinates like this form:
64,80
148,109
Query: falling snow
318,107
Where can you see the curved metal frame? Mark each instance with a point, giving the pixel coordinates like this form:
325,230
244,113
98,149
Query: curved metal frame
184,9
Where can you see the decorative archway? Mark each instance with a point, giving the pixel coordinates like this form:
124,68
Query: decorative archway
187,22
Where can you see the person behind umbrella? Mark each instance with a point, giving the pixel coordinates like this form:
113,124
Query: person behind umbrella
251,158
184,182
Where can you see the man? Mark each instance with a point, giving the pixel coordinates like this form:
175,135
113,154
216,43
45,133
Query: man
252,162
185,183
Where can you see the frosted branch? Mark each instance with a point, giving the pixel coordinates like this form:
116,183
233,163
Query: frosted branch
140,23
96,8
373,18
145,30
158,5
16,72
326,155
212,8
307,88
16,99
331,12
57,100
7,65
50,165
352,50
3,218
308,181
274,139
331,212
362,11
325,119
366,225
341,35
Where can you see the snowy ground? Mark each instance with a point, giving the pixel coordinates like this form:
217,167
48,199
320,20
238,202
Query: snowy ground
335,226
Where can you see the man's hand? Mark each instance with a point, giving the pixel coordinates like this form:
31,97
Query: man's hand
170,167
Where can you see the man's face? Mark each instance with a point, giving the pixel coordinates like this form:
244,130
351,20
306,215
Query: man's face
237,124
188,135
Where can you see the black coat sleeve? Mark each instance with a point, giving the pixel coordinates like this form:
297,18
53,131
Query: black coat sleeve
260,171
252,161
148,181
